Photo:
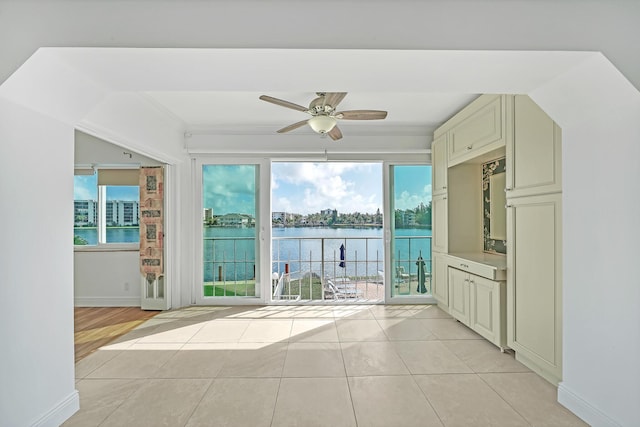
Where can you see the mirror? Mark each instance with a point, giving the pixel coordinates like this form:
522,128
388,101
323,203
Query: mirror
494,179
498,213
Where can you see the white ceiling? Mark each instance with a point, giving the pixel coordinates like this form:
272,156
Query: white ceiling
215,91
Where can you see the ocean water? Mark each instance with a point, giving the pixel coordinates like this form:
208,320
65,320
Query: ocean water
229,253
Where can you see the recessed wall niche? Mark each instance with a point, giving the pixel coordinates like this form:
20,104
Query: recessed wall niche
494,218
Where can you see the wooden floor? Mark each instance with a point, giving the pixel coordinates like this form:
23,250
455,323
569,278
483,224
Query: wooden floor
97,326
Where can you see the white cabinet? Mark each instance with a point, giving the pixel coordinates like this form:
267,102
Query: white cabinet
439,161
479,303
488,309
440,220
479,128
534,284
459,295
440,287
534,154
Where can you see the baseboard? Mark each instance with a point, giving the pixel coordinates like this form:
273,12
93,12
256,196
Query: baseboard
106,301
61,412
583,409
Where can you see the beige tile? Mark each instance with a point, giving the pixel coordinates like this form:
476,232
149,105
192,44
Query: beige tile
193,364
267,331
155,346
133,364
173,332
429,357
353,312
391,401
221,330
93,361
405,329
313,330
372,358
450,329
160,402
259,361
394,311
482,356
534,398
313,402
314,360
99,398
431,312
237,402
359,330
465,400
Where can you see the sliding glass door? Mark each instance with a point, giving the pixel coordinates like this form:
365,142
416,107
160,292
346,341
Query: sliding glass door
409,229
230,230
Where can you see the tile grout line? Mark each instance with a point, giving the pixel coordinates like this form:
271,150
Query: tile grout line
500,395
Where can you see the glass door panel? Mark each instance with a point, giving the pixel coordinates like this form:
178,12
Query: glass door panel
410,227
230,245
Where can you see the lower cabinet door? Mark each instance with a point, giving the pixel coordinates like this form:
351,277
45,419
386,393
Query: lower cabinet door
459,295
487,300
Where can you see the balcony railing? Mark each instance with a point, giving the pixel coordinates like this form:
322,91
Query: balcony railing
318,268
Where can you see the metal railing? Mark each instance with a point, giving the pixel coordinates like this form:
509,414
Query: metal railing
305,266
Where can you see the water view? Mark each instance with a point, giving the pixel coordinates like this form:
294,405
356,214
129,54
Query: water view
229,253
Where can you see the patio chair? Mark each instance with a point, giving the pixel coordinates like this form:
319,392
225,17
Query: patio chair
344,291
401,276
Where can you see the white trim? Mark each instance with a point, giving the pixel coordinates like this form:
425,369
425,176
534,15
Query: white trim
61,412
106,301
583,409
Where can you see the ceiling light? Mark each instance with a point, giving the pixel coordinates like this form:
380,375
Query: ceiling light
322,124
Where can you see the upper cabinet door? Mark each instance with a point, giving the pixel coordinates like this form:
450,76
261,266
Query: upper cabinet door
439,162
534,155
478,129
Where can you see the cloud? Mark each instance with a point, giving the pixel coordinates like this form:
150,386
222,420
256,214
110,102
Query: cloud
85,187
347,187
407,200
229,188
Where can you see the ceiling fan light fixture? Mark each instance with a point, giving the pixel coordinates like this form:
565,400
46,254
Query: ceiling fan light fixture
322,124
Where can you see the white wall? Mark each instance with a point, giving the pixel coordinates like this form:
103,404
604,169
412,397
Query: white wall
36,269
107,278
598,111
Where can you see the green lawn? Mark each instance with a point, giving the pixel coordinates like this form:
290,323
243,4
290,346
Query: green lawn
230,289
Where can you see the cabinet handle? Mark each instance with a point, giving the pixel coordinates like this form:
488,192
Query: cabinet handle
464,266
444,198
508,206
444,187
469,147
508,189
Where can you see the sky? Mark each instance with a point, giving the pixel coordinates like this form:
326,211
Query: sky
86,188
297,187
306,188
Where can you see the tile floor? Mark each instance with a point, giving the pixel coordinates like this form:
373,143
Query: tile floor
310,366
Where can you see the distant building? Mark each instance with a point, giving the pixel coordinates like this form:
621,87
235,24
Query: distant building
122,212
85,212
280,217
117,213
236,220
208,214
329,212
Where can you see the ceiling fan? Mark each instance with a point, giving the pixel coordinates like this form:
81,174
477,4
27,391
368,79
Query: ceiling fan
324,116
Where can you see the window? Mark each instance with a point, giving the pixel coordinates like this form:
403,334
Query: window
106,207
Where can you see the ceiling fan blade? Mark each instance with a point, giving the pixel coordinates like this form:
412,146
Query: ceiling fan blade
283,103
361,115
335,133
334,98
293,126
